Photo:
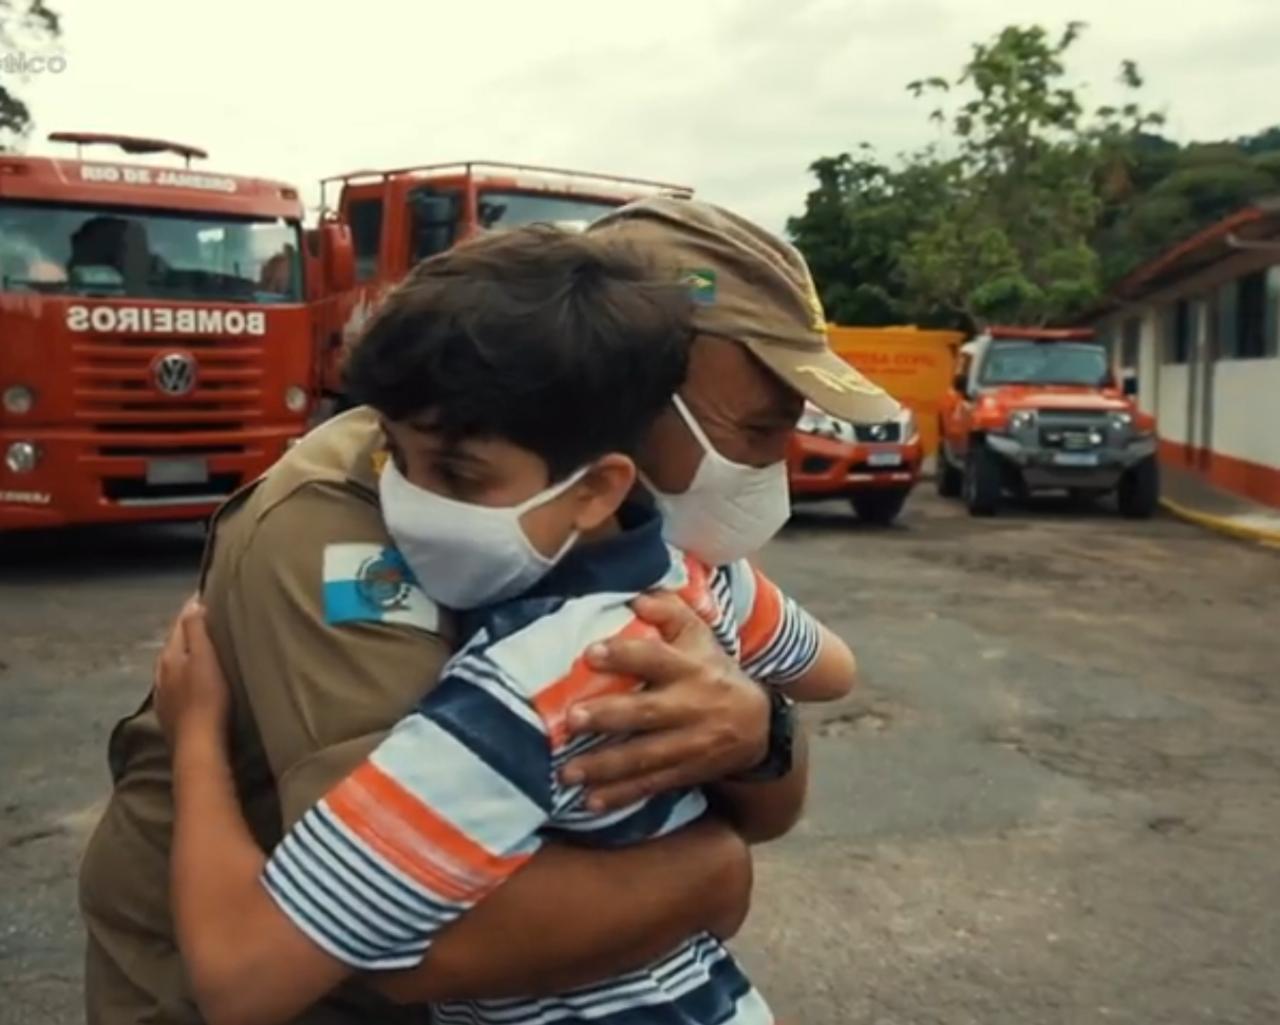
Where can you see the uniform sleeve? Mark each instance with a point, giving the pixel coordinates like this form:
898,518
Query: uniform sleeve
779,639
442,812
331,642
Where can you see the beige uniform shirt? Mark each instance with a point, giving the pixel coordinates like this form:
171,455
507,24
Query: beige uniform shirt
326,644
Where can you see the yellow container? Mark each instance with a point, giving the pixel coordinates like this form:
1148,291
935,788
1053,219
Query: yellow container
912,365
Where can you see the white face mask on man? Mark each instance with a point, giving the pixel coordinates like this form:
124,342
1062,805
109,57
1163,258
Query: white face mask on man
465,555
730,510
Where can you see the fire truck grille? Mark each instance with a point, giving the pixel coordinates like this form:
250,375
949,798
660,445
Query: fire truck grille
134,387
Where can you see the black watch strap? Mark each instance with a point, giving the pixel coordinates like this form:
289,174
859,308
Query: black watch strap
782,729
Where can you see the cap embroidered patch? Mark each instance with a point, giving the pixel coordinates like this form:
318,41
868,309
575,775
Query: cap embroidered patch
702,284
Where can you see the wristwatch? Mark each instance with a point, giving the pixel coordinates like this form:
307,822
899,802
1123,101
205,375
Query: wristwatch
782,731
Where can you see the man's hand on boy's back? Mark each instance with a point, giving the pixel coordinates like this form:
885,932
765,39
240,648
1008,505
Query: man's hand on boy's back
699,720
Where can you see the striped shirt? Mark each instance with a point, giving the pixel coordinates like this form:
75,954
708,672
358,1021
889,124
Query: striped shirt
464,790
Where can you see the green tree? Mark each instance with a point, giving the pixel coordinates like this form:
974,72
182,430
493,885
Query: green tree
1181,189
1031,167
27,28
851,228
1028,207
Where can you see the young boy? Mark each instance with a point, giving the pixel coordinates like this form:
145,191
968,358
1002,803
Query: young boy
515,376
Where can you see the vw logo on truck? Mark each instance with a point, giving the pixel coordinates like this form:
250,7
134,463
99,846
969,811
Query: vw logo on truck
174,374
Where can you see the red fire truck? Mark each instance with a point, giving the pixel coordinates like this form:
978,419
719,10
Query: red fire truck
397,217
156,350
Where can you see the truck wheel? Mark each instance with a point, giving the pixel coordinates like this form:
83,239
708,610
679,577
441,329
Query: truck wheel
947,478
879,507
1139,491
982,484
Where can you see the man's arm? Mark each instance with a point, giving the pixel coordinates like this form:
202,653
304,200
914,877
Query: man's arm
254,960
764,811
674,724
322,694
251,966
654,911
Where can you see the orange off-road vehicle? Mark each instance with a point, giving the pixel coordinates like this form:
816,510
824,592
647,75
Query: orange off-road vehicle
1031,409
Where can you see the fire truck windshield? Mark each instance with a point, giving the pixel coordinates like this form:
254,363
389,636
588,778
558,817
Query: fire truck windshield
512,209
75,250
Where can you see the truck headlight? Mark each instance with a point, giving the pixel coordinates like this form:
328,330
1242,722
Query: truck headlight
909,425
18,399
1020,419
21,457
295,399
1121,420
815,421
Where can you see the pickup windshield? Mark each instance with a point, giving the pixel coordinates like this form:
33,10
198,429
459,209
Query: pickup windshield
77,250
1015,361
512,209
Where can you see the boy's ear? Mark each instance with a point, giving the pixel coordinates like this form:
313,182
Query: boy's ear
604,488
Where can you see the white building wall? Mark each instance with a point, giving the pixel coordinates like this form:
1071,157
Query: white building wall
1171,408
1149,363
1246,410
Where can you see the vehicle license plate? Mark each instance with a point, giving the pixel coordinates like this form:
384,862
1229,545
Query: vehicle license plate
884,459
1076,458
177,471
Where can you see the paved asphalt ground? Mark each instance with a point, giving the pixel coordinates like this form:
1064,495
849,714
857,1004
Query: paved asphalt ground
1056,798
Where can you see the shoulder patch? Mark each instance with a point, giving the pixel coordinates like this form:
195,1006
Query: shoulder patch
371,583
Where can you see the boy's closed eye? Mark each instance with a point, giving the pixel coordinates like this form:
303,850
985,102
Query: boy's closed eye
457,478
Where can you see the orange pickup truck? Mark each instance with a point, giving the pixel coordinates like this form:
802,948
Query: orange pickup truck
1032,409
874,466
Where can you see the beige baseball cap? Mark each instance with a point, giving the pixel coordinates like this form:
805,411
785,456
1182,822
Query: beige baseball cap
751,286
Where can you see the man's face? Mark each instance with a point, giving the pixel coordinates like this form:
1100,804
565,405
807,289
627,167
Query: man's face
746,411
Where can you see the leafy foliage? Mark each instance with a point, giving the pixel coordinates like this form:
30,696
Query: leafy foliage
1028,207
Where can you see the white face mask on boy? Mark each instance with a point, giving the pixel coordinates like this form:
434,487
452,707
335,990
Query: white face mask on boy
465,555
730,510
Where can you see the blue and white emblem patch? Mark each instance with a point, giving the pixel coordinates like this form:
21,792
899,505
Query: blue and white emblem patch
371,583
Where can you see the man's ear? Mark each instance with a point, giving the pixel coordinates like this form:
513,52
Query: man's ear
603,489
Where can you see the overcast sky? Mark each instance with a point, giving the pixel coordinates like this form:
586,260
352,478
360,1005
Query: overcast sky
734,97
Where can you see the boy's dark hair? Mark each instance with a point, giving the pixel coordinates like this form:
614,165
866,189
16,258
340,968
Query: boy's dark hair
565,344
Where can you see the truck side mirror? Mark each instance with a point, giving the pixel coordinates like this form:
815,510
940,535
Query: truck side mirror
1130,386
960,382
339,256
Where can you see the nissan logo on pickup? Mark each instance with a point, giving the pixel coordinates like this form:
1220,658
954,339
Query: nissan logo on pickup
174,374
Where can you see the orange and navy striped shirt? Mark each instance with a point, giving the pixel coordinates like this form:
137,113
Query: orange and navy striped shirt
464,790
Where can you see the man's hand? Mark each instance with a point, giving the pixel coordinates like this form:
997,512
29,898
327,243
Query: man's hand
190,690
699,720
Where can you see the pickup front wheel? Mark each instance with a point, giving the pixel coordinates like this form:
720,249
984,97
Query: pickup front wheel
947,478
982,483
880,507
1139,491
